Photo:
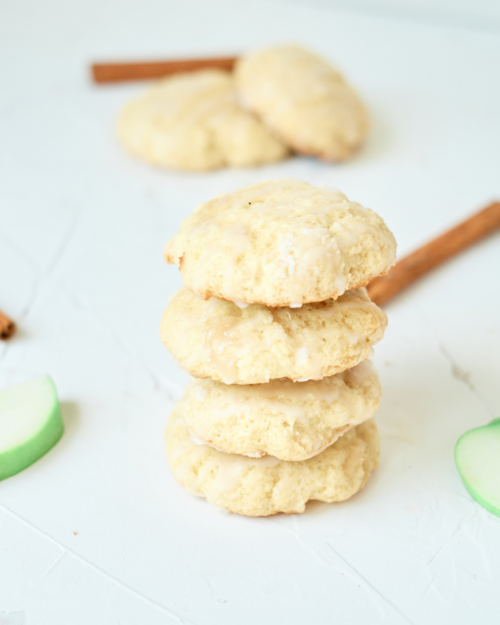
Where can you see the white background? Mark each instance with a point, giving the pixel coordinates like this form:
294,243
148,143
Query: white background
98,532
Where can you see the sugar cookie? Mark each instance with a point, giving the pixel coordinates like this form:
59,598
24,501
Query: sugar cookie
304,100
288,420
280,243
217,339
192,121
264,486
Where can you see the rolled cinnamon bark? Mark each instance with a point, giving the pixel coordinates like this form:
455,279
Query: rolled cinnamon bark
7,327
117,72
410,268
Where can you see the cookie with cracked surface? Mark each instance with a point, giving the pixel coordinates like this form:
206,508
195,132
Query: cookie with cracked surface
304,100
265,486
289,420
217,339
280,243
192,121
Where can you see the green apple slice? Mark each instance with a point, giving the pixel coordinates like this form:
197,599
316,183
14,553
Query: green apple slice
30,424
477,455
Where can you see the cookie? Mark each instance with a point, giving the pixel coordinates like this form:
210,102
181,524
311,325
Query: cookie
304,100
280,243
289,420
217,339
264,486
192,121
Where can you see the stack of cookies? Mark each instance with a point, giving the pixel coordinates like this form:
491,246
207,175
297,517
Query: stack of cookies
277,330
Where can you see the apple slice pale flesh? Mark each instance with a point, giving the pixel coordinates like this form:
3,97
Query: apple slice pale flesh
30,424
477,456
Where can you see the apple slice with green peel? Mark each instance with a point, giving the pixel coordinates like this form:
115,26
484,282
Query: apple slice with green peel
30,424
477,455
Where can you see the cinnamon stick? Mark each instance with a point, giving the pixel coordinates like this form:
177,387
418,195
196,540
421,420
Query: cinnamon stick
117,72
408,269
7,327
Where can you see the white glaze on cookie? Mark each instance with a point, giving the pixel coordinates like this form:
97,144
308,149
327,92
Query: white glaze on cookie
280,243
263,486
255,344
304,100
192,121
290,420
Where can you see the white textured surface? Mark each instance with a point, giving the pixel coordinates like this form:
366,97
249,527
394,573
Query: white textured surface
81,235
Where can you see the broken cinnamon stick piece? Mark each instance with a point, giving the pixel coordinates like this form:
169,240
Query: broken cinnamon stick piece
7,327
117,72
408,269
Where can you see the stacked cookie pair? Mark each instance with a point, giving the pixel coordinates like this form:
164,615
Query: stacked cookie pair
277,100
275,327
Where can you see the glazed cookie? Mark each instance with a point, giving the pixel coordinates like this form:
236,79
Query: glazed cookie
280,243
217,339
264,486
285,419
304,100
192,121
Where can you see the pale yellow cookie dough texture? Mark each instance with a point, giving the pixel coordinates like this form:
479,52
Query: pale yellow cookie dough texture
192,121
288,420
280,243
304,100
252,345
276,327
265,486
